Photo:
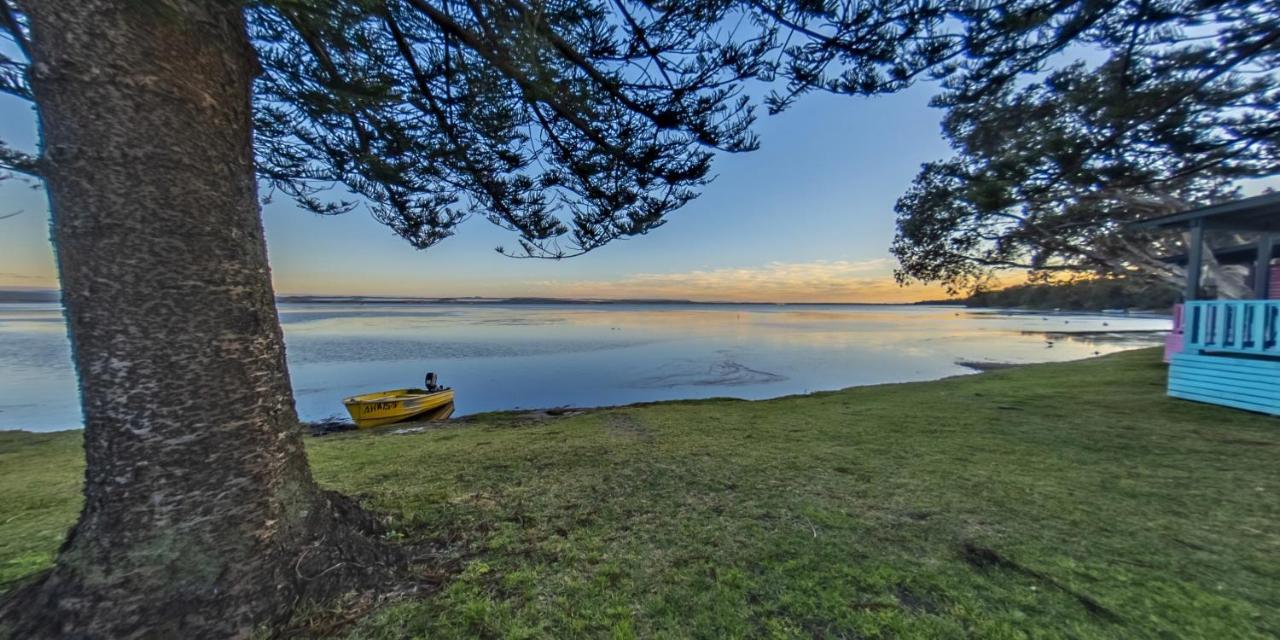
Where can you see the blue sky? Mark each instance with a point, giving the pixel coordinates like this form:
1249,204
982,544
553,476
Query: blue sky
807,217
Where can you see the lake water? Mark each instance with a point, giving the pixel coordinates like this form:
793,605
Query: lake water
541,356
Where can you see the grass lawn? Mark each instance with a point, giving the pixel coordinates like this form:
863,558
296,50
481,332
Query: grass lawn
1066,500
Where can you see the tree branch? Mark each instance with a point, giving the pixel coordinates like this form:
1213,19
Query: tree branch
20,162
640,35
503,64
477,175
9,21
322,58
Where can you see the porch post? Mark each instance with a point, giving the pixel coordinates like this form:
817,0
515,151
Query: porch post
1262,269
1194,257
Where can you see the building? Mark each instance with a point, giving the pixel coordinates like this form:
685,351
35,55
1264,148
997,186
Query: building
1230,349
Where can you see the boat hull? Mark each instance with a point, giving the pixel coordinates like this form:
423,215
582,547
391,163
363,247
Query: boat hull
388,407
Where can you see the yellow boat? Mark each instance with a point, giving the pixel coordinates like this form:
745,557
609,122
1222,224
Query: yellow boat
385,407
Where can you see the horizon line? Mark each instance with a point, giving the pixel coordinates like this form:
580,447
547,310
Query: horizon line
322,298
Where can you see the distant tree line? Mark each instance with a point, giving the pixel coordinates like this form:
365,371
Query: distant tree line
1082,295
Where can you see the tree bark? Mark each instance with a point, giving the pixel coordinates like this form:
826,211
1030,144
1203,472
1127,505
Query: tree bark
201,518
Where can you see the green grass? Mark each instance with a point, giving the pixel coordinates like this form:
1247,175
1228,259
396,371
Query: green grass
40,478
1068,500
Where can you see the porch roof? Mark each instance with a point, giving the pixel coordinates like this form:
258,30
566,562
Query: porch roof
1228,254
1259,213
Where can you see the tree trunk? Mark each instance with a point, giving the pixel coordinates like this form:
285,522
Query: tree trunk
201,518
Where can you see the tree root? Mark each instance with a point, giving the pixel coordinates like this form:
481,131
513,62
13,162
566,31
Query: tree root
338,552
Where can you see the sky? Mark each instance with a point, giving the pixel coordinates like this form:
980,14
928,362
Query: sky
806,218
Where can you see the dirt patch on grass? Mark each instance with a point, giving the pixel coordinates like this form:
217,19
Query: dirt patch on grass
986,365
915,601
907,600
625,425
555,412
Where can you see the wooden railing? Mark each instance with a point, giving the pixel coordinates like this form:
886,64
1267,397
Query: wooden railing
1247,327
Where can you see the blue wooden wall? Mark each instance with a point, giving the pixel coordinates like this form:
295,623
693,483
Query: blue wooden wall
1234,381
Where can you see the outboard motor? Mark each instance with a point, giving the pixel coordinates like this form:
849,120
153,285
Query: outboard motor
432,381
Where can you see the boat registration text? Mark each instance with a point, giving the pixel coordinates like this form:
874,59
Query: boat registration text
378,406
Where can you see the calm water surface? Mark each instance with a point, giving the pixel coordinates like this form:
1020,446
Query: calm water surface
536,356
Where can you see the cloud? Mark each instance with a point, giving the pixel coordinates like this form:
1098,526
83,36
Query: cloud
818,281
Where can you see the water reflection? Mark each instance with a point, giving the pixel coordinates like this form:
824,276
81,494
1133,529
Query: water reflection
535,356
337,425
437,414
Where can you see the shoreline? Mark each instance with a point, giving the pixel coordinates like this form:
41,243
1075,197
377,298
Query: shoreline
317,428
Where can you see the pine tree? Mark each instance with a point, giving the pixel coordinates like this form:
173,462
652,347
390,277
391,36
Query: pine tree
1048,171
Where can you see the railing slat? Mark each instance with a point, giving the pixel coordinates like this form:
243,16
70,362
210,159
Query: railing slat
1271,326
1232,326
1237,329
1258,326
